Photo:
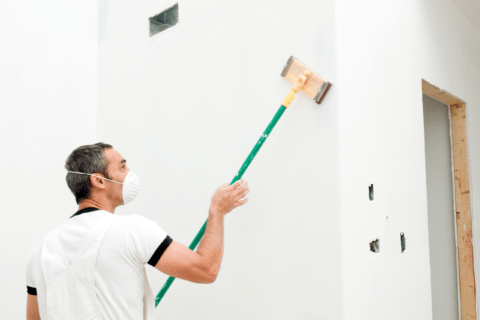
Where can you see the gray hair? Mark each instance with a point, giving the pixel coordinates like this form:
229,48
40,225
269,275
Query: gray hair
87,159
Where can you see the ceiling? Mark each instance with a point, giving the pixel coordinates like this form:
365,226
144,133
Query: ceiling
471,9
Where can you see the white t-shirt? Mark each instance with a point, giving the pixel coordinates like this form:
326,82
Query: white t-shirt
130,243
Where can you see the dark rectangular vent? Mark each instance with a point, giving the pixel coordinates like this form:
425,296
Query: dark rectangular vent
164,20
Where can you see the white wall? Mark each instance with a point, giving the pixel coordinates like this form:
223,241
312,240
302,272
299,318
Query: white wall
385,48
185,108
48,100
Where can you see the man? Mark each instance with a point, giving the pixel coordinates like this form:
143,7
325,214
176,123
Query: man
92,265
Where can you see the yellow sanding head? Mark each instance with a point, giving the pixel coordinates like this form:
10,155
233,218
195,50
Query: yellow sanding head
316,87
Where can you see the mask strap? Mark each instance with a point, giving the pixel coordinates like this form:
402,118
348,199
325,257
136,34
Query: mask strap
91,174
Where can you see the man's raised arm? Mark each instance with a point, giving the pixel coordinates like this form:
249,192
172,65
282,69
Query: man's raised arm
203,265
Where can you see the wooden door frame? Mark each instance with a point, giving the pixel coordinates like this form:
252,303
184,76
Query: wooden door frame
463,211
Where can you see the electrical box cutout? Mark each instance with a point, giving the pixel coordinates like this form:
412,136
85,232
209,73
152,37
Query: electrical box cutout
375,246
402,241
370,192
164,20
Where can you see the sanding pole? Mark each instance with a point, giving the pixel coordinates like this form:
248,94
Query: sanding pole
285,104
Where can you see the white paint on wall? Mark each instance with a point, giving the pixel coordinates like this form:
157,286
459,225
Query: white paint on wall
48,82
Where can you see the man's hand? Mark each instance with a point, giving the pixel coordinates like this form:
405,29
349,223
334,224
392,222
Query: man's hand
203,265
226,198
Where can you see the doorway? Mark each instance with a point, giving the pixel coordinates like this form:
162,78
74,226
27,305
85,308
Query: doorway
449,212
441,211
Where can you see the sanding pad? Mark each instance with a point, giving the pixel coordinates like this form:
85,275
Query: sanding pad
316,86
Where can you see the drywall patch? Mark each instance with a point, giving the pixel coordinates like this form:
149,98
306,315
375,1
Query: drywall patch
375,246
164,20
370,192
402,241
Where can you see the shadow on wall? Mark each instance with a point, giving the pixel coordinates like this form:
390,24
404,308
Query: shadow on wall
102,20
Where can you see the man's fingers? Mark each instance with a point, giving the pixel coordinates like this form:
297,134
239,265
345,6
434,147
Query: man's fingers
242,187
237,184
243,193
241,202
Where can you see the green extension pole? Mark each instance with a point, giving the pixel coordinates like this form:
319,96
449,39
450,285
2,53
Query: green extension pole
286,102
239,175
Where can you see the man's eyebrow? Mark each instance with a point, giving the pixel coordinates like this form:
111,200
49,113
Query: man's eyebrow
123,161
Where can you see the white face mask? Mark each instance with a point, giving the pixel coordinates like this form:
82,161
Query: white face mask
131,185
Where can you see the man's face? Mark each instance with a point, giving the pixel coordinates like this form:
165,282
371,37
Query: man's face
117,170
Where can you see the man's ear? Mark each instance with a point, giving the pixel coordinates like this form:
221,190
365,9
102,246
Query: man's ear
97,181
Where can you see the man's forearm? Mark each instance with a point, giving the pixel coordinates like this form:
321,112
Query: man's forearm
211,245
32,308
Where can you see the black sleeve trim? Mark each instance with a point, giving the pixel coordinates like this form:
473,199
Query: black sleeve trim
159,252
32,291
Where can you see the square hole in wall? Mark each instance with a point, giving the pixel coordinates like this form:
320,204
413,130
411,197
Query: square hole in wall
375,245
164,20
402,242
